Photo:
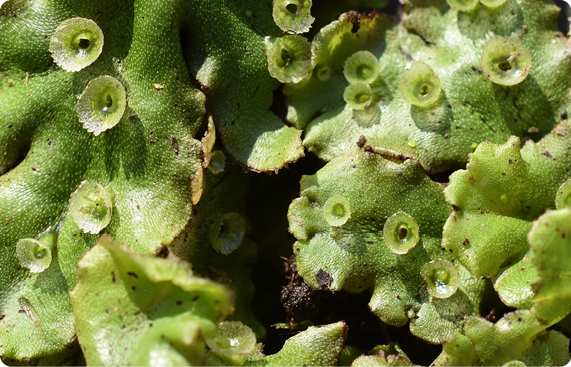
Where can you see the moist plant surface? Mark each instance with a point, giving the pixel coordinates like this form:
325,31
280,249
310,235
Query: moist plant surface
286,182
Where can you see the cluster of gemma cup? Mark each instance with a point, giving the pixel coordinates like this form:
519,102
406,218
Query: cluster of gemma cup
401,234
76,44
290,57
505,61
362,72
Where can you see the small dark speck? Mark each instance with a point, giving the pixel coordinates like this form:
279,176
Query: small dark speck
113,277
2,316
175,145
195,299
400,175
370,242
178,303
134,288
132,274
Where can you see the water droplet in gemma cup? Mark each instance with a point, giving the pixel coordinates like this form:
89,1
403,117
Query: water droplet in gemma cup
401,233
337,210
102,104
441,277
233,338
227,233
90,207
76,43
33,254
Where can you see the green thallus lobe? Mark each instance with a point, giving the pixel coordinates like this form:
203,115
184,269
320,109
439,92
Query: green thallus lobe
76,43
506,61
102,104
